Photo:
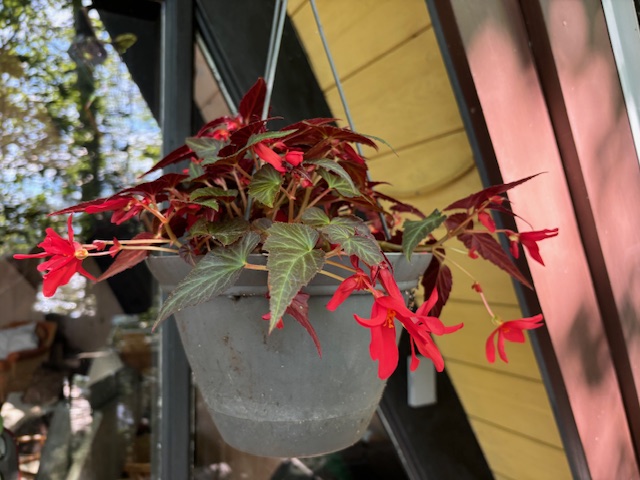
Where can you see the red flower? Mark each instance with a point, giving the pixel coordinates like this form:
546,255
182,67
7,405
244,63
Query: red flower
420,333
358,281
123,208
529,241
269,156
386,308
487,221
66,260
511,331
383,346
294,157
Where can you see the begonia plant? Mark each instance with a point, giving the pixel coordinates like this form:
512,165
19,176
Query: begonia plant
301,197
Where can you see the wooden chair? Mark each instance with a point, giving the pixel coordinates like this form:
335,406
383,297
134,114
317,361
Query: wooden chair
17,369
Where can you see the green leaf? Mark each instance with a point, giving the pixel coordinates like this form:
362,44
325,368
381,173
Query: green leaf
337,233
214,192
206,148
255,139
265,185
354,222
261,225
353,235
315,217
293,262
343,183
339,184
226,232
415,231
229,231
213,275
365,248
195,170
208,202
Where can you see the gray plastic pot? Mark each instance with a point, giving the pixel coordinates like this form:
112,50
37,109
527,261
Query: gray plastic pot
272,395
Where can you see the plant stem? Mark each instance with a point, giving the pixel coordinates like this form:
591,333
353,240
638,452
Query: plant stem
448,260
138,241
318,198
307,197
240,189
332,275
340,265
253,266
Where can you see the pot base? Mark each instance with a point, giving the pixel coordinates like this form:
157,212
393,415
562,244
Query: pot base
306,438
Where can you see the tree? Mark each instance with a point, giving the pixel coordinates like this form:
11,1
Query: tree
68,130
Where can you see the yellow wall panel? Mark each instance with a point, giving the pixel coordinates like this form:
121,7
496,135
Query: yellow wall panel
358,32
404,98
294,5
468,344
515,403
517,457
425,167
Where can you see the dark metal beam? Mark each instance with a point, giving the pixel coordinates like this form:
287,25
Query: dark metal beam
174,452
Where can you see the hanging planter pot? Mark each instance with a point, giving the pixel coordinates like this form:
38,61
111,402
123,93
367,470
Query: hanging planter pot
273,395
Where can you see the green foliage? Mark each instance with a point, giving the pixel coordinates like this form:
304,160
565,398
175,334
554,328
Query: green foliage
265,185
293,261
226,232
214,274
67,134
417,231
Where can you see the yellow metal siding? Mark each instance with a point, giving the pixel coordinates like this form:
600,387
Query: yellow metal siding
398,89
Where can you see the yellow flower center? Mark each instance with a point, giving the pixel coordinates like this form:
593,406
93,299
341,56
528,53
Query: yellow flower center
81,253
391,315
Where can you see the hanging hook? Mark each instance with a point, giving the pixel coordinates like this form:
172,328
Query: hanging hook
275,39
277,28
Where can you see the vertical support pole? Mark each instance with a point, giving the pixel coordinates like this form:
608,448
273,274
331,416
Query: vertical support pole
173,447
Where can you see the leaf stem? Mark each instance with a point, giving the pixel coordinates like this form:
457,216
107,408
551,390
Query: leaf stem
441,257
157,249
332,275
253,266
318,198
137,241
340,265
392,247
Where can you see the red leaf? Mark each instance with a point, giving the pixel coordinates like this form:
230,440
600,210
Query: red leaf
437,276
489,248
214,123
299,309
454,221
478,198
253,101
127,259
81,207
156,186
178,155
399,206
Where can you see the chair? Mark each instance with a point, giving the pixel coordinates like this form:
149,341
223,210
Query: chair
17,369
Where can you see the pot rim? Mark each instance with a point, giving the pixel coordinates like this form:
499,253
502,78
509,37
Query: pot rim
169,270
